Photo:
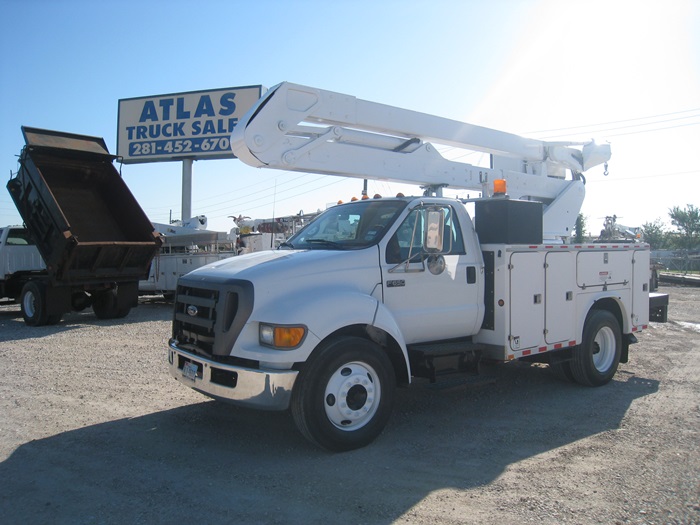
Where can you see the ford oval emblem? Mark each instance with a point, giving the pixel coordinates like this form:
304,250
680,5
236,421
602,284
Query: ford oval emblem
192,310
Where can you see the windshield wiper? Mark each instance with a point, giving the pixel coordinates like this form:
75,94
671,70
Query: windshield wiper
325,242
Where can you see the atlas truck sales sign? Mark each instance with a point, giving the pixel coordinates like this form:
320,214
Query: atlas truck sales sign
194,125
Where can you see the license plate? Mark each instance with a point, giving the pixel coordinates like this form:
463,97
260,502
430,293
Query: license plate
189,371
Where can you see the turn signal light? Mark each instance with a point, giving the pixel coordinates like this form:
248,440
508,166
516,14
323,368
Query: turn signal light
282,337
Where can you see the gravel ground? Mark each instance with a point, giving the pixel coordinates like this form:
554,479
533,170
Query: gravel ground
93,430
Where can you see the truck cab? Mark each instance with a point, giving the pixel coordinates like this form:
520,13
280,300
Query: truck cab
19,258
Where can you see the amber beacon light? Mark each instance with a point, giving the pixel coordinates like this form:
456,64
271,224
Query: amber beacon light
499,187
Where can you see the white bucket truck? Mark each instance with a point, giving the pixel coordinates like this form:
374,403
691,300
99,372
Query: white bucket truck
375,292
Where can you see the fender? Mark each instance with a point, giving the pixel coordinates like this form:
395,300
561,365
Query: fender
323,313
325,318
384,320
590,300
328,312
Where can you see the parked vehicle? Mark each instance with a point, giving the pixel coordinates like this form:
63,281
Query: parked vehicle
87,241
376,292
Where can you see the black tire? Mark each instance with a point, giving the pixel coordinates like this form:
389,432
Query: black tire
562,370
596,359
106,306
654,281
33,304
54,319
343,397
79,301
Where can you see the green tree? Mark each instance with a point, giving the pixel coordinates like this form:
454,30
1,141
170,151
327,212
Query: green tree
687,221
580,228
654,234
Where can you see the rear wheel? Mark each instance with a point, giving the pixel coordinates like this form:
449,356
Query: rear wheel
79,301
596,359
33,304
562,369
106,305
343,396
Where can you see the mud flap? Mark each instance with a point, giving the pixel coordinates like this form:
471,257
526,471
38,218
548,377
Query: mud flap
627,340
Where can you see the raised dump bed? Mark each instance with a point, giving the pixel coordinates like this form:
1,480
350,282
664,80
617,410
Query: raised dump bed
88,227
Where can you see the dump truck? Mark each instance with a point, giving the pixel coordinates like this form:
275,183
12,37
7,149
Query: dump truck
85,240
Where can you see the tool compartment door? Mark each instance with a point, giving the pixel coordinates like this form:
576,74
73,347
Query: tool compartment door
526,299
603,269
640,288
560,307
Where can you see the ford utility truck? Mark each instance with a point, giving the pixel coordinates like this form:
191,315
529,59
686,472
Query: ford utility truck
376,292
86,240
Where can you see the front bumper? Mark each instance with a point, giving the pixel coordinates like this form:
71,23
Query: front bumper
262,389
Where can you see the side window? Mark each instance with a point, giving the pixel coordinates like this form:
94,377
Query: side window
19,238
454,244
409,237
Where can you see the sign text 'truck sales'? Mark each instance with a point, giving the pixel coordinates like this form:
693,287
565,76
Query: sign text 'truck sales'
195,125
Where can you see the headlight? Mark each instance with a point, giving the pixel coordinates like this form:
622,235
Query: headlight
282,337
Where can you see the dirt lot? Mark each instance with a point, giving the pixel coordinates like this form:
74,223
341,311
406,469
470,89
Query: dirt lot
94,430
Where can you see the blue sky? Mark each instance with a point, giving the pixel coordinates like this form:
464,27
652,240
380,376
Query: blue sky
623,71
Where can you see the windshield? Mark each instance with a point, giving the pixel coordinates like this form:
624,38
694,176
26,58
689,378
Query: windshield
348,226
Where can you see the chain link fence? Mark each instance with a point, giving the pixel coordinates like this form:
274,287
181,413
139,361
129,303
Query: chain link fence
677,261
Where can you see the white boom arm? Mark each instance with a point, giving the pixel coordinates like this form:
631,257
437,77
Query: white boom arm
300,128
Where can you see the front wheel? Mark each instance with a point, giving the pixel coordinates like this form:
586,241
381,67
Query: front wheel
595,360
343,396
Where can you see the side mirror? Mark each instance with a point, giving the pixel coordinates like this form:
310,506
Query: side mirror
435,227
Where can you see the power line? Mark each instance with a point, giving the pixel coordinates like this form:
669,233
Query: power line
248,209
219,195
602,131
264,190
241,198
651,130
235,202
654,176
617,122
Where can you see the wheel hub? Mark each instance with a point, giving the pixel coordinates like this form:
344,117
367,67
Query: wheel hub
29,304
604,349
352,396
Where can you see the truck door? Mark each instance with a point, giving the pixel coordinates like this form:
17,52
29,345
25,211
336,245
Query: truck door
433,293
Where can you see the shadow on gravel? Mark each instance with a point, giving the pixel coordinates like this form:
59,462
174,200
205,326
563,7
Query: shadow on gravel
12,327
214,463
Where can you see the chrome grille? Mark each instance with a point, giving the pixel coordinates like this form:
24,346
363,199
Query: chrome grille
210,316
195,318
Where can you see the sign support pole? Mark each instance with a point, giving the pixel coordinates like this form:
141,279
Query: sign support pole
186,189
